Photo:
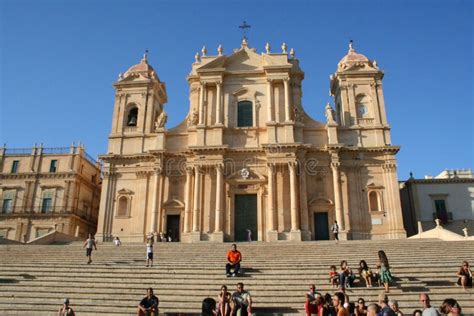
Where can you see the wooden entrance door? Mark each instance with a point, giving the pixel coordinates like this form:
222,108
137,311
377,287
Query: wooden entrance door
245,215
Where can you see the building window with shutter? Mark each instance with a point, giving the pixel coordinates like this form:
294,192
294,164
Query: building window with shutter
15,166
7,206
53,166
244,114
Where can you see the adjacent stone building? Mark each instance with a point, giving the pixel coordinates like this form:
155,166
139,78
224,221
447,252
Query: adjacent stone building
449,196
247,157
46,189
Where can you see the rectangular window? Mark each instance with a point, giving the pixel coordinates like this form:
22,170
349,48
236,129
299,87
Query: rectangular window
15,166
46,205
53,166
7,206
244,114
441,211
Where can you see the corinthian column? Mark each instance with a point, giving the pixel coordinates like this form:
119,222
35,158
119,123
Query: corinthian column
269,101
219,197
197,198
337,190
156,199
187,200
202,91
295,225
218,103
270,201
287,99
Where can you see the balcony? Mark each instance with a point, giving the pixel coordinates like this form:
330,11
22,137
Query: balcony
39,211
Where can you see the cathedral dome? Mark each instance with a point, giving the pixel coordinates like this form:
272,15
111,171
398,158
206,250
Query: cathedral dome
352,58
142,69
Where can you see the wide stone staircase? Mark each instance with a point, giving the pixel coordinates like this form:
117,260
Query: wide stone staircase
34,280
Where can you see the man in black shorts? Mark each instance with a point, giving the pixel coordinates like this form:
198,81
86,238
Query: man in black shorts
149,304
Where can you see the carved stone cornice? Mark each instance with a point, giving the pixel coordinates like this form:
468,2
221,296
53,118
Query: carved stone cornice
390,166
143,174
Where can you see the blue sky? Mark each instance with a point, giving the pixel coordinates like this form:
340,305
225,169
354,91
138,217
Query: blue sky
58,60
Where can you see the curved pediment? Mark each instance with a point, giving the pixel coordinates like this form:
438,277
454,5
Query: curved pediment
320,200
125,192
173,203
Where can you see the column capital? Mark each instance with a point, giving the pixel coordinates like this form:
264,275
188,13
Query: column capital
158,170
292,164
203,83
286,79
389,166
189,170
219,167
269,80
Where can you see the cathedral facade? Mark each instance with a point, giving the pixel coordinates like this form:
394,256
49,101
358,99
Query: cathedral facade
248,160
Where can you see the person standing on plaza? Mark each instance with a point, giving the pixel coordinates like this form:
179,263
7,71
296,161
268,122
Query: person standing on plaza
90,244
234,257
335,231
149,253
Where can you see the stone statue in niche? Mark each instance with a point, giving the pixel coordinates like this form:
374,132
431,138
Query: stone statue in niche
297,115
161,120
193,118
330,114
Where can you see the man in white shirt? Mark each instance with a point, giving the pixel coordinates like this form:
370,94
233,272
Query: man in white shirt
428,310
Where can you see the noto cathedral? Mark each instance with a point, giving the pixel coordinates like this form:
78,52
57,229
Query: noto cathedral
248,158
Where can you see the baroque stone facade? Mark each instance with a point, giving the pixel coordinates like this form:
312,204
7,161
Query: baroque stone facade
47,189
247,158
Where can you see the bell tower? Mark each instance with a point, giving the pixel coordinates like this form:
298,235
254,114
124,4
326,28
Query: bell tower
358,96
138,115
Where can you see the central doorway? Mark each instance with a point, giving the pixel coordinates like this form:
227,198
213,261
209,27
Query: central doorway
245,215
321,226
172,227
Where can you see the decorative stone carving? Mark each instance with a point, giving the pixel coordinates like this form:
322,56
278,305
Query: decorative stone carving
161,120
297,115
267,48
330,114
197,58
220,50
284,48
193,118
204,51
245,173
292,53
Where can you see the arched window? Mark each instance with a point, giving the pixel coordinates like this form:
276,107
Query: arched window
374,201
362,104
122,209
244,114
132,116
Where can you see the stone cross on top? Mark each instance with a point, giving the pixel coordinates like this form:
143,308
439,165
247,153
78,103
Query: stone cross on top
244,28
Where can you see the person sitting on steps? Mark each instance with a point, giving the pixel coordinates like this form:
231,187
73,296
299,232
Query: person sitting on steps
233,261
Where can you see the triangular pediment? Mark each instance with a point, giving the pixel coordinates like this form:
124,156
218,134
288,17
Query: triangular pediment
244,59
